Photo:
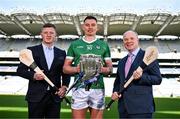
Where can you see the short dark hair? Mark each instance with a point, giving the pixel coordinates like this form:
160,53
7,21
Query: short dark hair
90,17
49,25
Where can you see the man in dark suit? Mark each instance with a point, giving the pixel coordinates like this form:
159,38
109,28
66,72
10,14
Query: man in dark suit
43,101
137,100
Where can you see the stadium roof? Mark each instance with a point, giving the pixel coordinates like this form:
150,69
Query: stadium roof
153,24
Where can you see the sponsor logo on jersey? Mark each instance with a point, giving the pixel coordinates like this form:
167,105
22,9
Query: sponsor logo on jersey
98,47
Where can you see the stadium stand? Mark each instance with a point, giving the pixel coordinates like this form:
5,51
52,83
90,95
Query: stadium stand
152,24
170,72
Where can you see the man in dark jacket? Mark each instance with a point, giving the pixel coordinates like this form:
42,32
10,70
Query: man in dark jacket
43,101
137,100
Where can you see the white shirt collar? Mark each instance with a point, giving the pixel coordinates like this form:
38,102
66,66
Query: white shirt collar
135,51
45,47
83,38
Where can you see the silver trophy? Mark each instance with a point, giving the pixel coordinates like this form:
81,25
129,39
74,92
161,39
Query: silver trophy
90,65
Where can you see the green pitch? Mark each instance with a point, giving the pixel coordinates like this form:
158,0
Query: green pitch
14,106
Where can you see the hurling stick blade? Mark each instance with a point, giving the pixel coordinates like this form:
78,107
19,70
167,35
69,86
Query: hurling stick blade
151,54
25,56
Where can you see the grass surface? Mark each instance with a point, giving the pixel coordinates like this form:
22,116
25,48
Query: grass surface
14,106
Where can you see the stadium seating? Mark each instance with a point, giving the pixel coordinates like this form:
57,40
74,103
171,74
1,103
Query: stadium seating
169,63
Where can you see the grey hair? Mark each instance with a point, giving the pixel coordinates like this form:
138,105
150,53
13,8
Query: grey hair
130,31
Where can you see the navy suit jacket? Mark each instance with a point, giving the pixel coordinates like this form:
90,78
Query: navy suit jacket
37,89
138,97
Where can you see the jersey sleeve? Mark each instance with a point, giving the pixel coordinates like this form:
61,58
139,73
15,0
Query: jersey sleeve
70,52
107,54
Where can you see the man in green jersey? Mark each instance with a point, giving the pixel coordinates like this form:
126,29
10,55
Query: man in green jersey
92,99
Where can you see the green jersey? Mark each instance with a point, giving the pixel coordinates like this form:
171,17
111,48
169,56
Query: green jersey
97,47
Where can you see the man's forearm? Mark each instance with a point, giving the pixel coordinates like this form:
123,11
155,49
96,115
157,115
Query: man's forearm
70,70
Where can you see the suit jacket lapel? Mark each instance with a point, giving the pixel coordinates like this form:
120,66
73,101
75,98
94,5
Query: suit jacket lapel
42,57
55,56
124,64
